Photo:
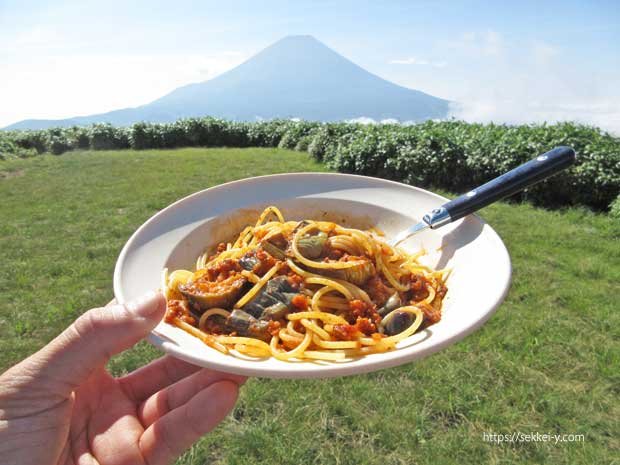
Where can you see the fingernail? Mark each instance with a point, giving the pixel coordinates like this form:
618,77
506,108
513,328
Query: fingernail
150,303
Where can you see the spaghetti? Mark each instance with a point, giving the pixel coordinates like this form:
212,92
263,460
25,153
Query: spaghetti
309,290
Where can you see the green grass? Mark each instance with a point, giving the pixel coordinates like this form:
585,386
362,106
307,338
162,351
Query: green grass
548,361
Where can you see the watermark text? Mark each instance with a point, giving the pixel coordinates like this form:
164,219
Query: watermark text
532,436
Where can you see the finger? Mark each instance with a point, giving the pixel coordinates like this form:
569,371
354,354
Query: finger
158,374
172,434
166,400
92,339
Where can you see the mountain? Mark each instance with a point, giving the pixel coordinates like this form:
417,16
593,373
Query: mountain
296,77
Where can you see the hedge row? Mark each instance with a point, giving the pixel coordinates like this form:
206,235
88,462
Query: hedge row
452,155
457,156
195,132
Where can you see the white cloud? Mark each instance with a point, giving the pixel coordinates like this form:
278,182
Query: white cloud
83,84
543,52
605,115
417,61
368,120
522,80
488,43
362,120
492,43
409,61
35,37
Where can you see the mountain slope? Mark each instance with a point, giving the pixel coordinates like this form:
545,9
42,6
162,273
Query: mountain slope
297,76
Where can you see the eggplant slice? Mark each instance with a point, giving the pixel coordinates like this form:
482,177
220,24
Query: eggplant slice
203,295
396,322
272,302
249,261
312,246
277,291
246,325
390,305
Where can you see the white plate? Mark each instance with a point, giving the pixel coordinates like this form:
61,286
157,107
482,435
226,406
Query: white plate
175,236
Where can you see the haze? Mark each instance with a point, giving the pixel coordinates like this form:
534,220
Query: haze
533,61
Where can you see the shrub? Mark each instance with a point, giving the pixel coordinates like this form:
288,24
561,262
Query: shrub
266,133
9,149
146,136
233,134
458,156
303,143
58,145
614,208
196,132
31,140
326,136
104,136
294,131
81,137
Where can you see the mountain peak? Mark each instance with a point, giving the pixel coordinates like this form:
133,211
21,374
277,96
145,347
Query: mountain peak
298,41
297,45
298,38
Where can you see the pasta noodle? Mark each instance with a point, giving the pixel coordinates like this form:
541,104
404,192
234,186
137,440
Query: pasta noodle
309,290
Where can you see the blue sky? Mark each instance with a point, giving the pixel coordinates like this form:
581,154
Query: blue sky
503,61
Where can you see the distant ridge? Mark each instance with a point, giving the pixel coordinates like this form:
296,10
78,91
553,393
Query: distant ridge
296,77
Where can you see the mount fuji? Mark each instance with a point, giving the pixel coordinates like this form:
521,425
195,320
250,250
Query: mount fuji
296,77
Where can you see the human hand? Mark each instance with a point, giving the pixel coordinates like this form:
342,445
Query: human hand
61,406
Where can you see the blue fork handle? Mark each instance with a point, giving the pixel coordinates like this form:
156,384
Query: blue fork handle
507,184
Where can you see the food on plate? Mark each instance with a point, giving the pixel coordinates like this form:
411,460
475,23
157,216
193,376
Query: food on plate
304,290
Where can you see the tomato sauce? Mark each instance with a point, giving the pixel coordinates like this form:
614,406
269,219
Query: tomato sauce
300,302
376,289
179,309
350,332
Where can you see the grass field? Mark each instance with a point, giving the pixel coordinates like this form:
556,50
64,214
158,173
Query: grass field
547,362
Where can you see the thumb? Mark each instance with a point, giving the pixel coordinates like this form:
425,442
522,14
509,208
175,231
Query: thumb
93,338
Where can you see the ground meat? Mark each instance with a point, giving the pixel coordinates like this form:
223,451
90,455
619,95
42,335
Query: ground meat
224,282
351,332
441,292
360,309
340,256
295,280
221,247
265,262
300,302
334,254
418,289
345,332
274,327
222,270
378,292
366,326
179,309
431,314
